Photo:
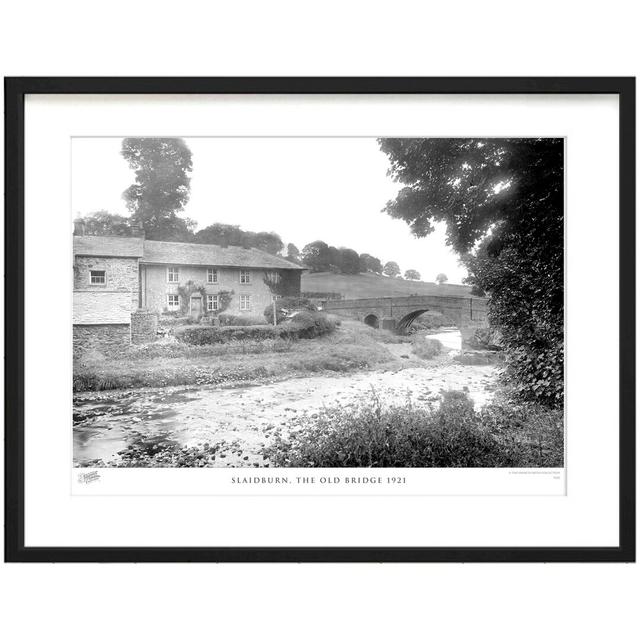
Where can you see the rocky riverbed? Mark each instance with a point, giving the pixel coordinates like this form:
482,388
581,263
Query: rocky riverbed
114,427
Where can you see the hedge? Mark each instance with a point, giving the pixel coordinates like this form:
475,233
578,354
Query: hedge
231,320
203,334
305,326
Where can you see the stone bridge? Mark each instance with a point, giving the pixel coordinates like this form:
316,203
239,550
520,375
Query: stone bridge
397,314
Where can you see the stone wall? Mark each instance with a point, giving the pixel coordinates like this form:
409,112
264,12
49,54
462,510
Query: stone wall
121,275
105,338
144,326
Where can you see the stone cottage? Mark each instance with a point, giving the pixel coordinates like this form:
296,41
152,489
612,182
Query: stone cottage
122,284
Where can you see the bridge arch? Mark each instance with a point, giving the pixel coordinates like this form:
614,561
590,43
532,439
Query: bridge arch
372,320
405,322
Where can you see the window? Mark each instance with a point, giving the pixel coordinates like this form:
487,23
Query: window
245,276
98,277
212,276
212,303
173,274
274,277
245,303
173,302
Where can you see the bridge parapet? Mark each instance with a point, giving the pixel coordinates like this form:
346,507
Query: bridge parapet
468,313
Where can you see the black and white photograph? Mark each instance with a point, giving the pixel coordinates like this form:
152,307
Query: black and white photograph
318,302
320,320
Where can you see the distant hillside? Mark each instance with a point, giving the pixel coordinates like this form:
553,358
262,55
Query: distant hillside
370,285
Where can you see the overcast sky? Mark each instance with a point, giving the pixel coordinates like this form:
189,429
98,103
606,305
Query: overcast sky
304,189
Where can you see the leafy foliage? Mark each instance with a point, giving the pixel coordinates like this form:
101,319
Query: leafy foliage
391,269
293,253
231,234
307,325
282,283
232,320
502,202
224,299
204,335
454,435
162,168
348,261
186,290
320,257
370,263
103,223
411,274
286,307
441,278
315,255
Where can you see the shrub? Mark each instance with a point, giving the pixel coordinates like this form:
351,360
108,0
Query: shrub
337,320
454,435
201,335
530,434
285,307
231,320
307,326
425,348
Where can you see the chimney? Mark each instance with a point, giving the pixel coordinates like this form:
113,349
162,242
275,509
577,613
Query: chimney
224,241
137,230
78,227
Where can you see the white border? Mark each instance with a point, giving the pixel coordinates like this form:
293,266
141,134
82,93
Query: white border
586,516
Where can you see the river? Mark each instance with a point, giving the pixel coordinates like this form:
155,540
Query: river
242,417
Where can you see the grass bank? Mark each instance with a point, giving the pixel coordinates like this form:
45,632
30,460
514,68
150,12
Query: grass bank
350,347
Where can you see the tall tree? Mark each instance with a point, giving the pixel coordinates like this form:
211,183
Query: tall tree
231,234
370,263
162,168
391,269
316,256
220,233
412,274
441,278
293,253
268,241
503,203
335,259
349,261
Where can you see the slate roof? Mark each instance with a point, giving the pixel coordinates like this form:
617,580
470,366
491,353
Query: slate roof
186,253
107,246
157,252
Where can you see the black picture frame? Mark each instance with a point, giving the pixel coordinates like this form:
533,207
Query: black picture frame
15,91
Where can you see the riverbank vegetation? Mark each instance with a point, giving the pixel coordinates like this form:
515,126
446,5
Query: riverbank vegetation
368,434
349,347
